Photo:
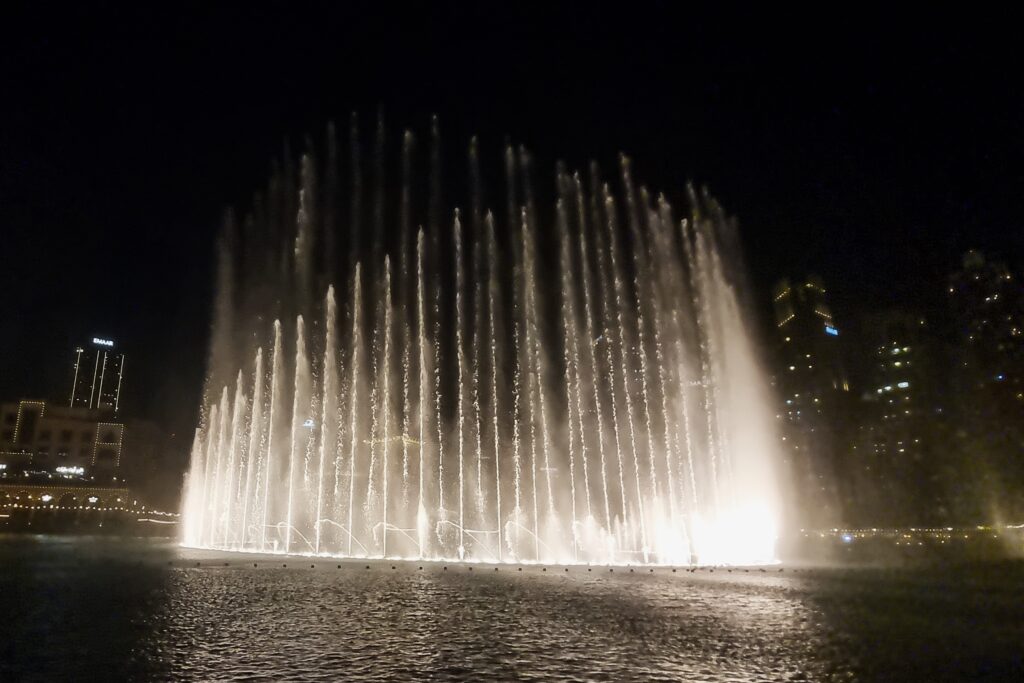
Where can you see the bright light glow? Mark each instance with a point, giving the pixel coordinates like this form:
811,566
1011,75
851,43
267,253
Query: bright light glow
831,330
3,466
93,499
903,385
745,535
102,342
46,498
64,469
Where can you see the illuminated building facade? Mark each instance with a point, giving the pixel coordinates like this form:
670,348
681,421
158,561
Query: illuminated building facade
56,440
97,372
811,384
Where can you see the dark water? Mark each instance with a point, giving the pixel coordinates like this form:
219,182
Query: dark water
102,609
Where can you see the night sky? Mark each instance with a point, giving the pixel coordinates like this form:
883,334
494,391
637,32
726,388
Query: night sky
871,149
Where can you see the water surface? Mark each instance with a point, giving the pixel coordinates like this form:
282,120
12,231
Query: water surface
103,609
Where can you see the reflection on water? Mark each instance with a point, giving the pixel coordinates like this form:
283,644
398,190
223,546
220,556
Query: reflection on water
103,609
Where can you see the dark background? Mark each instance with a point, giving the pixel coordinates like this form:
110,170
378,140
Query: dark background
870,148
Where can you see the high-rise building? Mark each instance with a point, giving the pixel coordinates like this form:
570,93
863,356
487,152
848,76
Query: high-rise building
987,305
811,383
904,450
96,376
987,301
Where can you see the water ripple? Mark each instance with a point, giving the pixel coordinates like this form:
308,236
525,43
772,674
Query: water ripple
81,611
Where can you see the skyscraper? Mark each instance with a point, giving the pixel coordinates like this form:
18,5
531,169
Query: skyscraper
811,383
905,450
987,305
987,302
96,376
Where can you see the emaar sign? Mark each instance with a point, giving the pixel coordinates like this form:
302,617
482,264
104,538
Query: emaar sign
103,342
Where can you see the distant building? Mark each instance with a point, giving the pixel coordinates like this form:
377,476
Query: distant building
805,325
83,441
897,384
905,450
987,306
39,437
987,303
97,372
811,383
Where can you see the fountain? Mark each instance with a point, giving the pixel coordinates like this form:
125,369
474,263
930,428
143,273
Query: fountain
572,381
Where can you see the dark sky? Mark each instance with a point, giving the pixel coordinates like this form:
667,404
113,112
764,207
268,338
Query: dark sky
867,147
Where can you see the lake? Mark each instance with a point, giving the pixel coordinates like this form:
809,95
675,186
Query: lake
81,608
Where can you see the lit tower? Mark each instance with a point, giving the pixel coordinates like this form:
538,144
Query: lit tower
812,386
96,376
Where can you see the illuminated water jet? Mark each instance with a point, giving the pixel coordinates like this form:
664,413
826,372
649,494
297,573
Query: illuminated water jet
585,363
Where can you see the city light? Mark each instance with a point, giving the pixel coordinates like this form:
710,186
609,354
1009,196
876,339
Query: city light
831,330
65,469
103,342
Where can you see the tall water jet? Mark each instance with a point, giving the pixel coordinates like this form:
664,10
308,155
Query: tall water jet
492,332
255,450
328,426
386,399
501,390
353,400
424,373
